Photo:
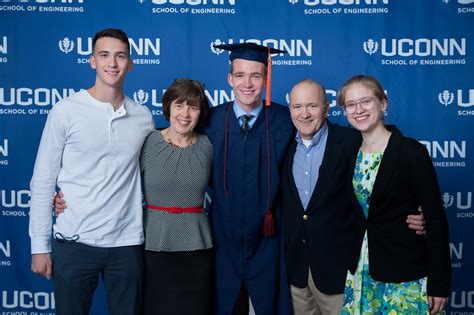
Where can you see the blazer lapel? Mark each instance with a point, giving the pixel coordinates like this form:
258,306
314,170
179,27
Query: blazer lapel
387,167
289,169
332,155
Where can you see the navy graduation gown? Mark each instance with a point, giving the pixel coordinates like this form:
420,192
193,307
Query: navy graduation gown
243,253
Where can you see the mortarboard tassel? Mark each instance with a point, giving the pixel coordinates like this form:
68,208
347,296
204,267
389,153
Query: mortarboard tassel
269,79
226,143
268,226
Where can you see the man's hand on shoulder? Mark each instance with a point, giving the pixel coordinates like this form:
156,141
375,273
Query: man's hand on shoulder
416,222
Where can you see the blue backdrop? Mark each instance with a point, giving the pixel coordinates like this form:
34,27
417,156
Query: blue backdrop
421,50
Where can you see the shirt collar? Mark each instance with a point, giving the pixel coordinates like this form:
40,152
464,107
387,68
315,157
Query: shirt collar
240,112
317,138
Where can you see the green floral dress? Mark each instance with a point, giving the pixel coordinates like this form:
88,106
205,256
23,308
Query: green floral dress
363,295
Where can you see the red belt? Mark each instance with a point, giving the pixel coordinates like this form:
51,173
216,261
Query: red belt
197,209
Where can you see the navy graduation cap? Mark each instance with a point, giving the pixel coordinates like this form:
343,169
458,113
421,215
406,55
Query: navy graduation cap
250,51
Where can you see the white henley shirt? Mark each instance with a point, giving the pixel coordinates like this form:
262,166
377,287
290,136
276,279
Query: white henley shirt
90,151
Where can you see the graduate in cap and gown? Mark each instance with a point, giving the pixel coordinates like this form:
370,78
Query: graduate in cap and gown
250,137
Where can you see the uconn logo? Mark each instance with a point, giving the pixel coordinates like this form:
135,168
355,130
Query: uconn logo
83,46
216,97
447,153
5,249
299,51
5,254
335,2
456,250
153,98
193,6
420,47
4,148
15,203
45,1
462,5
343,6
15,199
194,2
4,45
460,200
3,49
464,99
462,299
28,300
3,152
293,47
446,149
25,96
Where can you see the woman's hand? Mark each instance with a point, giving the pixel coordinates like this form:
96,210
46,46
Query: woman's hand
59,203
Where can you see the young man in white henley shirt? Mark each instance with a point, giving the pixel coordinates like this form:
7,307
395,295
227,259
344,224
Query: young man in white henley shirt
89,149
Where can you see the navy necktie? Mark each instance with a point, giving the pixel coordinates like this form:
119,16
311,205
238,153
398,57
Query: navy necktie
245,126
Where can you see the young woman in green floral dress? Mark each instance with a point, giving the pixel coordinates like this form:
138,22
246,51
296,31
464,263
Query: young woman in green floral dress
398,272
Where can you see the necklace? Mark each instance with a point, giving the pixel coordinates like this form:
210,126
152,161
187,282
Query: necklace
376,144
167,138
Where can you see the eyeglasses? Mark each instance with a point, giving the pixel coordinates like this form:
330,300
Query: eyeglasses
366,103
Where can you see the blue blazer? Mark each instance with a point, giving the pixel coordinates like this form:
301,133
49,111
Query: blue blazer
322,237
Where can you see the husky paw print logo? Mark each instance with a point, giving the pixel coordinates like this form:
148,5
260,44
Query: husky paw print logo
448,200
371,46
293,1
446,98
141,97
66,45
215,50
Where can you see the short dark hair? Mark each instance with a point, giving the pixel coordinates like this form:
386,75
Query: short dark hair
114,33
189,91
